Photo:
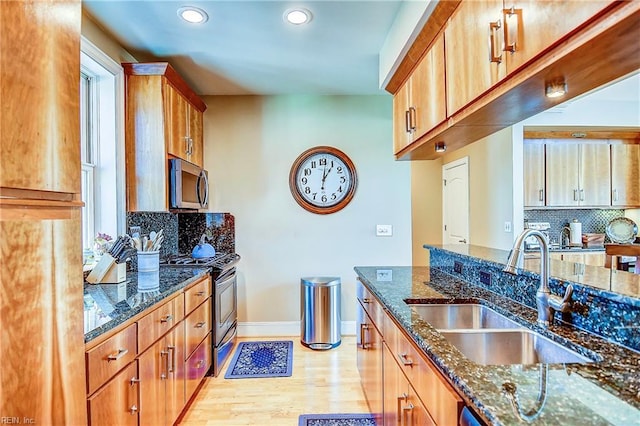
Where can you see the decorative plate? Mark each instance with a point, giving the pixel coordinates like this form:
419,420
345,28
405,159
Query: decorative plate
622,230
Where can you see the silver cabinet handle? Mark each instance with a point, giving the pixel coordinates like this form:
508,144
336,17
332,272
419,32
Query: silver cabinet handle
199,325
493,42
412,119
575,195
200,294
117,355
166,318
582,195
171,356
511,29
615,195
186,145
408,409
405,360
399,413
541,195
134,381
463,241
407,121
164,374
363,328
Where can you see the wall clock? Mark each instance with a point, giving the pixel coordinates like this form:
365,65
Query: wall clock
323,180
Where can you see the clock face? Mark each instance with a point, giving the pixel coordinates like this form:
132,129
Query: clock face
323,180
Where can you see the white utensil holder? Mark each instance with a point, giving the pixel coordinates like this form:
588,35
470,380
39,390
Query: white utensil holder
148,261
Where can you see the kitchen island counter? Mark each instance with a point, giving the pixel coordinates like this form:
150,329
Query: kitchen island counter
108,305
603,392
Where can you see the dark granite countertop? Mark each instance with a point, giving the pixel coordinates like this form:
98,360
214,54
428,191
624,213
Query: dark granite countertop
603,392
109,305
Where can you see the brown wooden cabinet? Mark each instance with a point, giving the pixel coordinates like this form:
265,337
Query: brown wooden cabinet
162,379
169,369
163,120
531,26
369,358
185,128
420,103
118,403
401,385
534,173
578,174
473,66
40,214
625,175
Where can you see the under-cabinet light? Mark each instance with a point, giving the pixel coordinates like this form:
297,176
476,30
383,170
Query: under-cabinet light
440,147
555,89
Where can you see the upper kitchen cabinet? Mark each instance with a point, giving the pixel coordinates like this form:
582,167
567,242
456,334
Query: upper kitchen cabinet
578,174
531,26
39,85
625,175
500,57
185,123
471,68
419,105
534,161
163,121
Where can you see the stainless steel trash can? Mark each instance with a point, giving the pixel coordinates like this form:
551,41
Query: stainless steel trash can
320,312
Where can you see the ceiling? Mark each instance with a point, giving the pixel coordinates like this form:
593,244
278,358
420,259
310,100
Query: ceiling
246,47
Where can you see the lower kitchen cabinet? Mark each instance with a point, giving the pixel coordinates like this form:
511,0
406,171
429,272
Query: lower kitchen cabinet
118,403
162,379
397,380
196,366
369,362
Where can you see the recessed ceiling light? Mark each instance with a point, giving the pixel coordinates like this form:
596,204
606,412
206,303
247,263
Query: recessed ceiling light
298,16
193,15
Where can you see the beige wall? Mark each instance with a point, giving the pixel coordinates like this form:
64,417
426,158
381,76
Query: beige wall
490,194
250,145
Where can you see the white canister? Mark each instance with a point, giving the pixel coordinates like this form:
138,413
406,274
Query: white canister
148,261
575,233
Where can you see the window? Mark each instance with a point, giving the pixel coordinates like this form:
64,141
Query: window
102,144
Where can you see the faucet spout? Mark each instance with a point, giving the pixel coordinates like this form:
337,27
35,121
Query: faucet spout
546,302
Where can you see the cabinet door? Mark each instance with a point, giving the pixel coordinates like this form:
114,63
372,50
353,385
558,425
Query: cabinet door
196,136
470,71
196,366
369,361
39,89
178,141
175,383
562,174
625,175
118,402
153,366
595,175
427,90
534,191
401,136
536,25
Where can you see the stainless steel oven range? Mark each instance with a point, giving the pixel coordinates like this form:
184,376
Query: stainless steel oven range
225,302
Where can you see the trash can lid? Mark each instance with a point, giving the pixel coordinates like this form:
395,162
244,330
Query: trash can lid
320,281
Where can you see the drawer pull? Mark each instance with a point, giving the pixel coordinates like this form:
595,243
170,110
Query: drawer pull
366,300
166,318
118,355
405,360
200,364
200,325
200,294
134,408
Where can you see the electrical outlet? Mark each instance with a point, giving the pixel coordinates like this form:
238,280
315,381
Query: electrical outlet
485,278
457,267
384,230
384,274
507,226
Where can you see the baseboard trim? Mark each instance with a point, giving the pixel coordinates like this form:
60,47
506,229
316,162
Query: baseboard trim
284,328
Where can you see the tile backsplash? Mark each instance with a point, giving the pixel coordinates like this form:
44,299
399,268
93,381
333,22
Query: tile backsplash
182,231
593,220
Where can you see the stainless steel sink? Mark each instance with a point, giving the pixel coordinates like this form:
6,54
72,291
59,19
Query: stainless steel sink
510,346
463,316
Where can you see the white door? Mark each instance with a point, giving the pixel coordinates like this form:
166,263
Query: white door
455,202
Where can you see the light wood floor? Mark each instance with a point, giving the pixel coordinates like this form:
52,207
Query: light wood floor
322,382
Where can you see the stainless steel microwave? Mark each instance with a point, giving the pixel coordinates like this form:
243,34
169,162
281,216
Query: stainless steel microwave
188,185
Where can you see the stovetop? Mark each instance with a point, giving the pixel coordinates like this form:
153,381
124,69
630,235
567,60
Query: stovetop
221,261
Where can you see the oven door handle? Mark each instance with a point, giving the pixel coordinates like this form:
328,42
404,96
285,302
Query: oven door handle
231,334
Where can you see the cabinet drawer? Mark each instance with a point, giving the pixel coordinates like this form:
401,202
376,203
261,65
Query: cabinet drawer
197,326
156,324
109,357
371,306
197,294
118,402
197,366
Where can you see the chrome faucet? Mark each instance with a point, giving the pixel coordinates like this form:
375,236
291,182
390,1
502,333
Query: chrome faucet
547,303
